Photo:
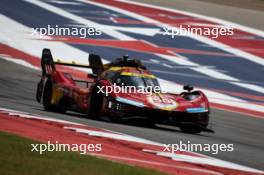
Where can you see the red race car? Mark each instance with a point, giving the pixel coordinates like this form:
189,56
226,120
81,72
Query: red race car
121,89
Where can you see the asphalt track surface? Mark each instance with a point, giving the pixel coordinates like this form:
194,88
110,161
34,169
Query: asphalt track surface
18,86
17,91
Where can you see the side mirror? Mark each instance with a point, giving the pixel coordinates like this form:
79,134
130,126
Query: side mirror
125,58
188,88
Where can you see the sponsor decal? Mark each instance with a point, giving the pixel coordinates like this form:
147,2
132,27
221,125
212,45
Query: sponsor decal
162,102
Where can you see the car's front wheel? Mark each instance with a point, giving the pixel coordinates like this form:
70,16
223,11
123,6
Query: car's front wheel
195,124
99,102
191,129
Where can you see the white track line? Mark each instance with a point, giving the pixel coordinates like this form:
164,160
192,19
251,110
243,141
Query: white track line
107,30
195,158
208,72
24,41
212,19
202,39
211,73
27,115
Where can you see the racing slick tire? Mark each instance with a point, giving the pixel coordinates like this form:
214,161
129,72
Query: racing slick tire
98,106
47,97
39,91
195,126
186,128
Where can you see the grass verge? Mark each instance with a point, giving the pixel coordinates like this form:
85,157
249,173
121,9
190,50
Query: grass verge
16,158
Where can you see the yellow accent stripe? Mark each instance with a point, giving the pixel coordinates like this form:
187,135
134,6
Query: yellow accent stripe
137,75
73,63
117,68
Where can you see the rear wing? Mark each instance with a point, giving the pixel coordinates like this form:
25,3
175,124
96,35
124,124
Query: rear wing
95,63
72,64
48,64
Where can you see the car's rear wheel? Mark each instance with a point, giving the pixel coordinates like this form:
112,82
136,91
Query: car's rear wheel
39,91
47,97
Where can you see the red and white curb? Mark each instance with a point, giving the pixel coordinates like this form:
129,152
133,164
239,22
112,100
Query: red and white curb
116,146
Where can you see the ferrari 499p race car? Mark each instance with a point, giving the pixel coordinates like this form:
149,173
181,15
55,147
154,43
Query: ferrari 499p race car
59,90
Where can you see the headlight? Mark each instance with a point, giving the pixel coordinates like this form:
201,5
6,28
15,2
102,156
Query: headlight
116,106
196,110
